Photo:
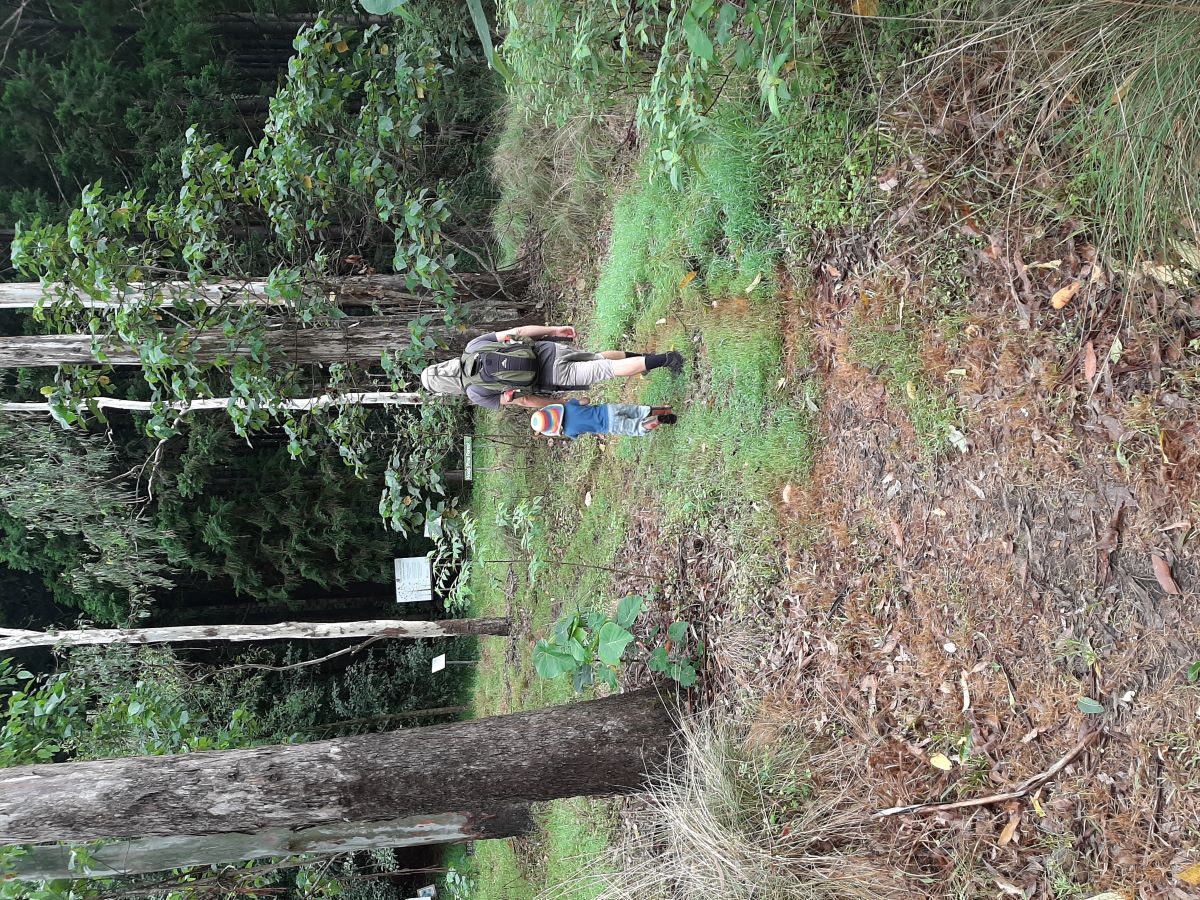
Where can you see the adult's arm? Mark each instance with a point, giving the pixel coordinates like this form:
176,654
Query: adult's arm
536,401
536,331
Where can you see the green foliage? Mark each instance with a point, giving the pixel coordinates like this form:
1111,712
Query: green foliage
523,520
677,59
265,524
381,7
117,701
370,695
452,559
415,493
565,59
69,516
591,646
359,115
103,90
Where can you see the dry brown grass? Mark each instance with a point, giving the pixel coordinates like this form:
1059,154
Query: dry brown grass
553,184
762,811
1088,103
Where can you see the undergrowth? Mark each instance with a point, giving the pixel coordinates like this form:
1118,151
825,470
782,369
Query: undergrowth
734,817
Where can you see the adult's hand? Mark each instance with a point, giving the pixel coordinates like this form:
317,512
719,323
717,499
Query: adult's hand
565,331
508,398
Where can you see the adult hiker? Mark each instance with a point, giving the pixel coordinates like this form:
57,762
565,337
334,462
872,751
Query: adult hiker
519,367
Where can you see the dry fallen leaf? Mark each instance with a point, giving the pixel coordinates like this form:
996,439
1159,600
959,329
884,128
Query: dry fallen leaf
1050,264
1110,895
911,390
686,280
1065,295
941,761
1089,361
864,7
1190,875
1162,572
755,283
587,499
1010,829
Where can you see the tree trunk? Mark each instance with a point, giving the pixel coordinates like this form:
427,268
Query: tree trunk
355,290
598,747
431,713
28,294
350,339
44,862
17,639
363,398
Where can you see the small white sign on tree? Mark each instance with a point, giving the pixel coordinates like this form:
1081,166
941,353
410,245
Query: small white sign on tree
438,663
414,579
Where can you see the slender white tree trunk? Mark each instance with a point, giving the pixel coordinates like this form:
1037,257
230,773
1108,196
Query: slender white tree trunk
361,398
28,294
17,639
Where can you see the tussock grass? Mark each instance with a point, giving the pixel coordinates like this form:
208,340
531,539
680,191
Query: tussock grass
1106,93
768,815
553,183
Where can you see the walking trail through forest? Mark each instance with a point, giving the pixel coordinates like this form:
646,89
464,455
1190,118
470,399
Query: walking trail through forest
974,604
932,500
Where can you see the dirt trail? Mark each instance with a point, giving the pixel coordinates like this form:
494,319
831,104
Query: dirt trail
966,604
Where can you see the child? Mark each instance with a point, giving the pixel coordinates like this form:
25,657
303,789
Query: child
574,418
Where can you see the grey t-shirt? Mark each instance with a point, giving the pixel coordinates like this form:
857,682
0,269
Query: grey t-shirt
490,397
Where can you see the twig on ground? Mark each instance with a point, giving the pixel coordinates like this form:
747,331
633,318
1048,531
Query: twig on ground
1016,793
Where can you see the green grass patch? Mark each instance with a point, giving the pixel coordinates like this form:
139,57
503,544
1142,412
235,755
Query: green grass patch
893,352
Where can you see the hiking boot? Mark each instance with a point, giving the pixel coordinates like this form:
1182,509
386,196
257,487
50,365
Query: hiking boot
667,419
675,362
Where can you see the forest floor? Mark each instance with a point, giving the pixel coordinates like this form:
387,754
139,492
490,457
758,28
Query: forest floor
909,502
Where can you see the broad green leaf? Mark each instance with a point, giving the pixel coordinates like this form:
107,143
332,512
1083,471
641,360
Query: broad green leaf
686,676
698,41
1193,674
563,629
381,7
659,661
725,20
550,662
678,632
613,641
578,652
1090,706
628,610
582,678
